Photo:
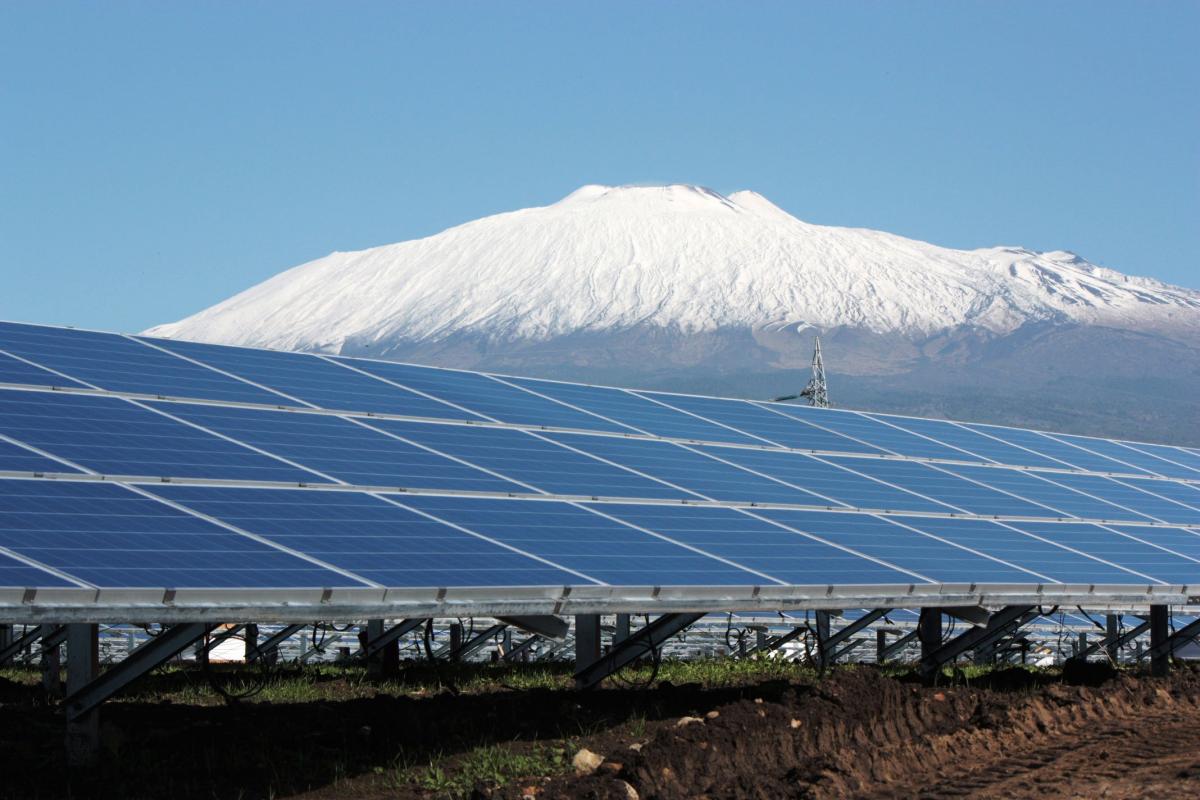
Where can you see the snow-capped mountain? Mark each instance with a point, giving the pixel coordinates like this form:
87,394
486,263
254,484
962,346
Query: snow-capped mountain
679,287
679,258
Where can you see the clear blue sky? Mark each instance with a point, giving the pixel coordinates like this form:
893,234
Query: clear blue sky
158,157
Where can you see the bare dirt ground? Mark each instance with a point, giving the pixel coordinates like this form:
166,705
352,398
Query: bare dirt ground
765,732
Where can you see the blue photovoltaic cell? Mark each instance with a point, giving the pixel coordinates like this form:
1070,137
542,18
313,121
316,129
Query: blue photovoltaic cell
1135,458
1179,540
1129,496
637,412
524,457
1113,547
13,370
370,537
116,437
110,536
1048,446
777,428
18,459
14,573
1184,493
1032,487
944,487
1042,558
972,441
578,539
316,381
690,470
1179,455
487,396
787,556
341,449
876,433
826,480
924,555
124,365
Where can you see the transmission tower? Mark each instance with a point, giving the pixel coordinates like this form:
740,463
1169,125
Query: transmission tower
817,392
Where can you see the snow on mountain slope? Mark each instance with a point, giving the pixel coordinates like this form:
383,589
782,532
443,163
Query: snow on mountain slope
677,257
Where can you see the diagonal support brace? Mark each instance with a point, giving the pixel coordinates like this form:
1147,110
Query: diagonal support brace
831,643
17,645
1175,641
475,642
1000,624
273,641
515,653
637,645
896,646
393,633
143,659
1116,643
776,642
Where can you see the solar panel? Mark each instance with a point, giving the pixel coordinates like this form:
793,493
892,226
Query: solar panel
587,542
763,422
121,364
21,459
340,449
510,486
13,370
687,469
879,434
1042,557
971,441
1060,451
1043,490
636,412
933,560
486,396
316,382
114,436
532,460
942,486
1127,493
827,480
109,536
1128,455
370,537
784,555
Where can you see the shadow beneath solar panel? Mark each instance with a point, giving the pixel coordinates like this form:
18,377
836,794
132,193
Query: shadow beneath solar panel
313,729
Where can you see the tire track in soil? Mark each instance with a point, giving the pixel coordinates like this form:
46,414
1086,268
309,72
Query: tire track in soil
1146,751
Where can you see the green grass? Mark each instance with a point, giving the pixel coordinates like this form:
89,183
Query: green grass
491,766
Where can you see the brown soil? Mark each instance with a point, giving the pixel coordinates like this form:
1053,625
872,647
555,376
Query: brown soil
855,734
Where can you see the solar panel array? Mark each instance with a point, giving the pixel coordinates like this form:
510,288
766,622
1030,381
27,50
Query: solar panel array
136,463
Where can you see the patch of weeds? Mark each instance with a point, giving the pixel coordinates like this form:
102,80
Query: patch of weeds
491,766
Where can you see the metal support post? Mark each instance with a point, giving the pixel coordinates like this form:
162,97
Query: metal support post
250,635
1160,653
1111,632
642,643
822,631
587,639
83,669
51,680
1002,623
375,659
929,631
760,638
6,636
622,630
456,637
506,643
